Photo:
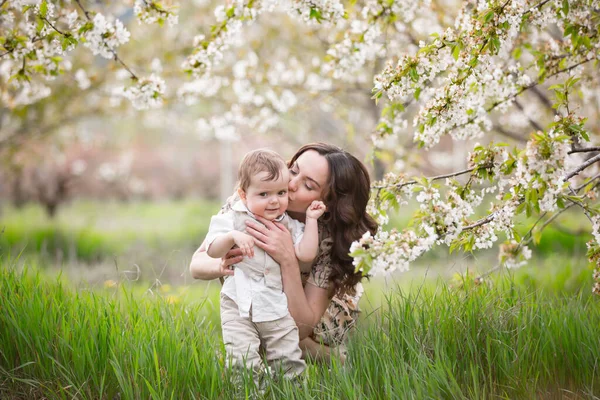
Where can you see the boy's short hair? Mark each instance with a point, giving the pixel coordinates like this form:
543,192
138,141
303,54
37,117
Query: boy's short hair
260,160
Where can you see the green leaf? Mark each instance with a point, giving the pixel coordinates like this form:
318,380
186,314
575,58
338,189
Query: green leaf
537,236
414,75
584,135
456,52
40,25
416,95
565,7
316,14
230,12
517,53
488,17
43,8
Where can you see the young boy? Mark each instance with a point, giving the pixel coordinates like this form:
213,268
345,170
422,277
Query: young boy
253,306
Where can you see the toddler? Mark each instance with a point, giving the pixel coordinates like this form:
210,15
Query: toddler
253,306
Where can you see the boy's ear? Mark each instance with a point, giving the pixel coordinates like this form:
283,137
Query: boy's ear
242,194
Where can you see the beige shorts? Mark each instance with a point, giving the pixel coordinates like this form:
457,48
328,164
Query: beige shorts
243,340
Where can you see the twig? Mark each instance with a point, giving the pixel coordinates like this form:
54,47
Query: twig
433,178
510,134
480,222
584,150
534,124
578,188
538,5
115,55
523,89
583,166
53,27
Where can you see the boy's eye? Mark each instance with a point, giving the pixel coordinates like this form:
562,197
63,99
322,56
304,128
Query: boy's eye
282,192
263,194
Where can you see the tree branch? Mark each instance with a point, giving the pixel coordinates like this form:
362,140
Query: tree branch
510,134
115,55
583,166
534,124
518,93
433,178
584,150
578,188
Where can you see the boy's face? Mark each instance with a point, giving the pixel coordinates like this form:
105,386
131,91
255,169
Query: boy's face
268,199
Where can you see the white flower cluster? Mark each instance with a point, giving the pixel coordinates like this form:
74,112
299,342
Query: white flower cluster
397,193
149,12
226,126
513,254
146,93
596,227
210,51
461,109
316,11
401,81
105,36
446,216
543,167
31,50
391,251
503,218
358,47
28,93
204,86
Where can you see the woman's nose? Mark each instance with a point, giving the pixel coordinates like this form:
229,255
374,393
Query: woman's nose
293,185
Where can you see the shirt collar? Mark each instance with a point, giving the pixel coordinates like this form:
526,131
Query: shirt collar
240,206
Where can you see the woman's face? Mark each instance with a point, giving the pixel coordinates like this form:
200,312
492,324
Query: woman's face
308,179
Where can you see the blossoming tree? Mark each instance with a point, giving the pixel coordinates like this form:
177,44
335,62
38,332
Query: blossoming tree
485,71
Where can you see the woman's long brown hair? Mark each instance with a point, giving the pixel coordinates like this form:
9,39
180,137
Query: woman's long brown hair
346,197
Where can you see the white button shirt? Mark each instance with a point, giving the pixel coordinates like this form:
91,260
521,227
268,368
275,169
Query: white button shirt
267,304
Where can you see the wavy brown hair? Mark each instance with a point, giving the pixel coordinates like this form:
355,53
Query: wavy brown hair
346,196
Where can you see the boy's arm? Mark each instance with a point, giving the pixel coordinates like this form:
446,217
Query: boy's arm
221,245
307,248
219,239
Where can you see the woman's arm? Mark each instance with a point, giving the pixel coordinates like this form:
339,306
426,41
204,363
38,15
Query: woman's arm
307,305
206,268
319,352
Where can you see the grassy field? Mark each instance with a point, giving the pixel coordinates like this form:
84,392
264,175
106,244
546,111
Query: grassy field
99,304
504,339
91,231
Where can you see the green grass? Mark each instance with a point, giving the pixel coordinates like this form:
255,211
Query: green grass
92,230
512,338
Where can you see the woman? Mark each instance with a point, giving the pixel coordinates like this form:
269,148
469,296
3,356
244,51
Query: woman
322,297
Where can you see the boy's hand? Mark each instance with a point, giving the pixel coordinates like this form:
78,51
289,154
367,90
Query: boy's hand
244,242
316,209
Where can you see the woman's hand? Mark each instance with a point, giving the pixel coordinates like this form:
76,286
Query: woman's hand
274,238
204,267
232,257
